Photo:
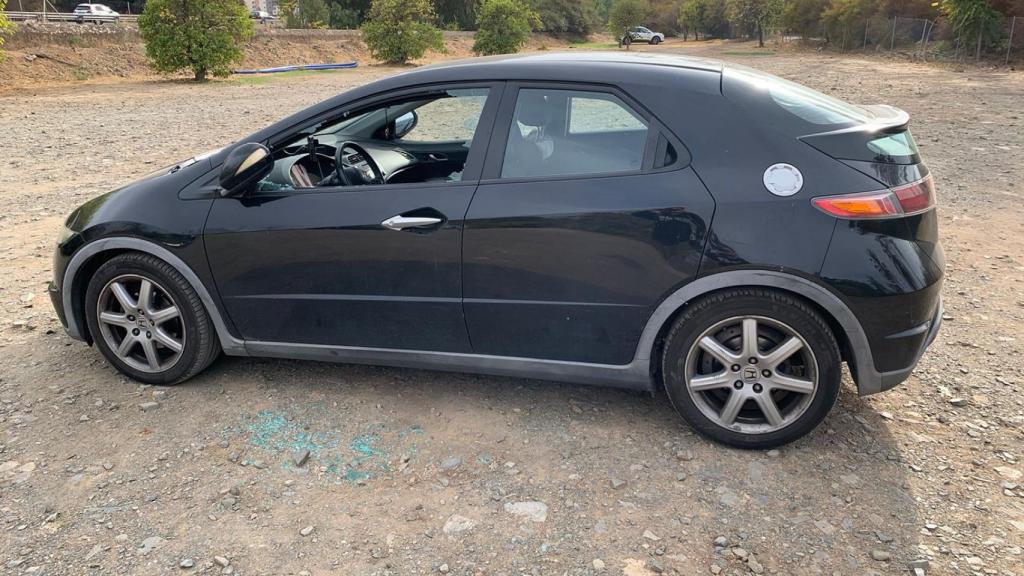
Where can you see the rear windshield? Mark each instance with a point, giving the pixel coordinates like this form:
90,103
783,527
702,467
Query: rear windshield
899,145
807,104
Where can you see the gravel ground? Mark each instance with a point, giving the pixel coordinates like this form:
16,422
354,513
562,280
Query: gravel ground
278,467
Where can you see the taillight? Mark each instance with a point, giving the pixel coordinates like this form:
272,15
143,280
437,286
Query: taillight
905,200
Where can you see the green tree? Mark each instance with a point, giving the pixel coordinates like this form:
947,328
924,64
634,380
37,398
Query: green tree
503,26
626,14
841,16
401,30
974,20
306,13
575,18
458,14
706,17
204,36
753,16
6,27
804,16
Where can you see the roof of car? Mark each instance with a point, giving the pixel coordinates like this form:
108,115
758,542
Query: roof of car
587,57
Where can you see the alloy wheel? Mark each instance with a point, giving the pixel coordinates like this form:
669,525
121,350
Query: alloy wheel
141,323
751,374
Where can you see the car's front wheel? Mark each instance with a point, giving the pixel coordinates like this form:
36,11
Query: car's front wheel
752,368
656,40
148,321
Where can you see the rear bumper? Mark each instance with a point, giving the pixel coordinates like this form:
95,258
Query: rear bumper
881,381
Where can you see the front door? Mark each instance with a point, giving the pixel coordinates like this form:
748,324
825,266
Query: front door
307,260
587,217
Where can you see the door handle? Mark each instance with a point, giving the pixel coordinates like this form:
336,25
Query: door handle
402,222
437,157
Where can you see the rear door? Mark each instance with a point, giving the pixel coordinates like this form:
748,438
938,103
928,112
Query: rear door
587,216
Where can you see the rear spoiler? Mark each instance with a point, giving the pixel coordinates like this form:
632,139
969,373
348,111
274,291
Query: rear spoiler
850,143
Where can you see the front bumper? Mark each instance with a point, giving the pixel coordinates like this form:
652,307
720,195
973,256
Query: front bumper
58,304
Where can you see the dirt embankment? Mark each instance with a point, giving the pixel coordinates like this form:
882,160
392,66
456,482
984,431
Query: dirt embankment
57,53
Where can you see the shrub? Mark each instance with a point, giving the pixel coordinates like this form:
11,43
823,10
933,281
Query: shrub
204,37
6,26
626,14
571,17
503,26
401,30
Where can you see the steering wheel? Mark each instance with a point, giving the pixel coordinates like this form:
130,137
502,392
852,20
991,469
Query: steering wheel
360,161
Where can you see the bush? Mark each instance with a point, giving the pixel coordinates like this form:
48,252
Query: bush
204,37
401,30
625,14
571,17
6,26
503,26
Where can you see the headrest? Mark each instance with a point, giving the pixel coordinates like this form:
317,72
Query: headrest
534,109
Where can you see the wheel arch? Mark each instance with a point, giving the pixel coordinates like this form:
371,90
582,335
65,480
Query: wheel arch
849,334
90,257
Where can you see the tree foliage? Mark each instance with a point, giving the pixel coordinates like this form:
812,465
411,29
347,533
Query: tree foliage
204,36
707,17
306,13
576,18
503,26
401,30
457,14
626,14
754,16
6,27
976,21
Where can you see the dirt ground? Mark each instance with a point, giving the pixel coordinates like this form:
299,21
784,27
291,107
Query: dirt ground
414,472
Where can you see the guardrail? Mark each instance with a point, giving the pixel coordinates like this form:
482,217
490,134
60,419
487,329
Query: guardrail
58,16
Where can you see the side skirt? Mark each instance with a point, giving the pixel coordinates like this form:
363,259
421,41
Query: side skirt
631,376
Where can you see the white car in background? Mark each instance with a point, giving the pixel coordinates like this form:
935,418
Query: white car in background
642,34
95,13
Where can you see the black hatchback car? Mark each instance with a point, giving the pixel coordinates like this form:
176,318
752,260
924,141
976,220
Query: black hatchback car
638,221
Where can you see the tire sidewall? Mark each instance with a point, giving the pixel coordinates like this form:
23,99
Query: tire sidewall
118,267
813,330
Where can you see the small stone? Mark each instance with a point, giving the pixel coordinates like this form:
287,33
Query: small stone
721,542
598,564
159,394
149,406
149,544
83,418
958,401
655,565
443,568
755,566
222,561
187,563
307,530
740,553
881,555
299,457
681,476
531,510
684,455
617,483
921,564
458,524
651,536
773,453
108,466
451,463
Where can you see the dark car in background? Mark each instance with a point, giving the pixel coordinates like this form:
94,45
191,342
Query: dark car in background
641,221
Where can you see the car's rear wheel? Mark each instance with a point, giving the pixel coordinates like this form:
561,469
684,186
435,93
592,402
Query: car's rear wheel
148,321
752,368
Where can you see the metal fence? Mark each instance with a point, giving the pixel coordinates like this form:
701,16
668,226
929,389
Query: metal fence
57,16
924,39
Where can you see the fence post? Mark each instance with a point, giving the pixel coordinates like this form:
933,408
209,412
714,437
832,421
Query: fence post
892,38
865,45
923,32
44,10
1010,43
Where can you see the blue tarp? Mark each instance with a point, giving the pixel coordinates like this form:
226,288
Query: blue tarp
299,67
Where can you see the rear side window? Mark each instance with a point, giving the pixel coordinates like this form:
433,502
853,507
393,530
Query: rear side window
807,104
559,132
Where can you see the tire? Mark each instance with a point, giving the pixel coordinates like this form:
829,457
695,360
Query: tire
655,41
155,326
732,403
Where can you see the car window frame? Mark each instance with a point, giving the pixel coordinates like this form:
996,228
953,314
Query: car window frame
506,113
477,149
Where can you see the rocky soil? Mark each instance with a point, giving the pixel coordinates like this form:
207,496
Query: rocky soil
279,467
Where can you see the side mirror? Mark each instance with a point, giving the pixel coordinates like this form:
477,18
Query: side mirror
405,123
246,165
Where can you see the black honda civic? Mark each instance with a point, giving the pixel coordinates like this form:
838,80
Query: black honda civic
639,221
